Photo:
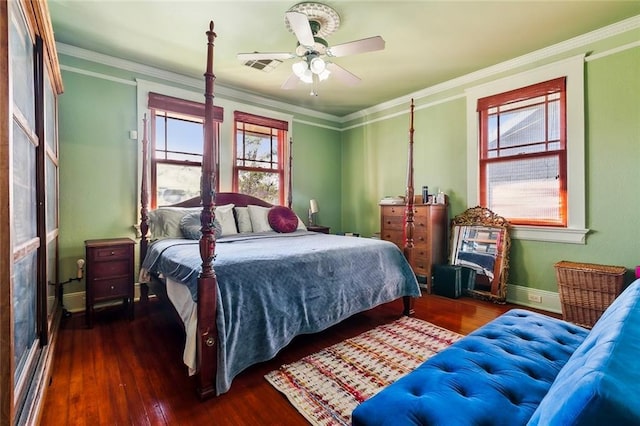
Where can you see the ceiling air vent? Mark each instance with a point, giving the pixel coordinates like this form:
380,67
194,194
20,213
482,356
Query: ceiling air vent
266,65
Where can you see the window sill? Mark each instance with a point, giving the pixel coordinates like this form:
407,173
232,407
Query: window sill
547,234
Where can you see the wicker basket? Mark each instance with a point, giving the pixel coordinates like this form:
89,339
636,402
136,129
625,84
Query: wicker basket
587,289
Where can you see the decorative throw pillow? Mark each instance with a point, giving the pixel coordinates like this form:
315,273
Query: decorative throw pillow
190,226
243,219
259,218
224,215
164,222
282,219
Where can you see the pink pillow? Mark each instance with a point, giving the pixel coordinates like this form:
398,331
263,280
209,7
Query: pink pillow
282,219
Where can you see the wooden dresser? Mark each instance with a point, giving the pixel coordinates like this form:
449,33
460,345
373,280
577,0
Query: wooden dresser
431,224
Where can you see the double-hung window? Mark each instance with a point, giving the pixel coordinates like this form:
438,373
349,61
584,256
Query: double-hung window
526,151
523,162
259,157
176,148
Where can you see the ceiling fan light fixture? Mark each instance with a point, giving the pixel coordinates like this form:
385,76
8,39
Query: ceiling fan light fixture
299,68
324,75
317,66
307,77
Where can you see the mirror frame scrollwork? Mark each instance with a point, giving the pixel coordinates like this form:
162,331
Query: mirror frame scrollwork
475,233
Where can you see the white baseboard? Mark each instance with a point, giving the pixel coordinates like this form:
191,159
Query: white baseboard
76,302
519,295
525,296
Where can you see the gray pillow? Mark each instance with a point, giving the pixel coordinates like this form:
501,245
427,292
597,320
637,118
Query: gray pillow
190,226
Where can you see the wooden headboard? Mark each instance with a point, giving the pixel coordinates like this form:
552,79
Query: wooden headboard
222,198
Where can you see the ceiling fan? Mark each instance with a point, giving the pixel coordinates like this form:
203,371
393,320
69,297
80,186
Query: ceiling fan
311,22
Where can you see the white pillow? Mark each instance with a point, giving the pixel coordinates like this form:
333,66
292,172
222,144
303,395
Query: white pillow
224,214
244,220
301,225
259,218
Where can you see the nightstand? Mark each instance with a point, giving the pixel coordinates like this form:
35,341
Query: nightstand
319,228
110,266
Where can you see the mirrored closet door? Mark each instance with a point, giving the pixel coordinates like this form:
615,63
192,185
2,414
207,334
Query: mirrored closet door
29,292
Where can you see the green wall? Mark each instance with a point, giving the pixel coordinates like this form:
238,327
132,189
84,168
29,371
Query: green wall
98,166
374,165
99,162
348,166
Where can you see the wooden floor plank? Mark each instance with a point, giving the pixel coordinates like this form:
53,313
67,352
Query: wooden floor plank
131,372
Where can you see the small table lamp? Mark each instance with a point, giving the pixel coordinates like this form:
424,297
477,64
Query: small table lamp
313,209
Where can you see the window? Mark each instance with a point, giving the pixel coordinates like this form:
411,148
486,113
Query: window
522,163
259,157
176,148
572,70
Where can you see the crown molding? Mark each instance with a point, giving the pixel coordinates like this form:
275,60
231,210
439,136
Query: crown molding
228,92
509,65
221,90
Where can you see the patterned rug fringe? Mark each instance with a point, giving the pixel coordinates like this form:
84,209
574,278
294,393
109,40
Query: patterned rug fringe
326,386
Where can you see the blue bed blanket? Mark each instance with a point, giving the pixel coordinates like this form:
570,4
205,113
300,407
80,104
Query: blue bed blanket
273,287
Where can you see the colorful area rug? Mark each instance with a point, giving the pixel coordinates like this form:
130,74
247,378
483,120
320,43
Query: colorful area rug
326,386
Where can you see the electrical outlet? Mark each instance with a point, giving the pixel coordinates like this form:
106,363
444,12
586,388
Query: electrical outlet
534,298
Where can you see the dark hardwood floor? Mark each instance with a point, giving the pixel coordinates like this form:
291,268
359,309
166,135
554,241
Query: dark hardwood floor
131,373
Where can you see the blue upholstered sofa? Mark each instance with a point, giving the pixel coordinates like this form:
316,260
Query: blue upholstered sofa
525,368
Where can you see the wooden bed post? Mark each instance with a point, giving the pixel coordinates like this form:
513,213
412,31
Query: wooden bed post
144,207
290,189
207,283
409,225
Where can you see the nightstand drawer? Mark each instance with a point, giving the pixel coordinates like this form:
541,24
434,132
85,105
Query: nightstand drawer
110,269
109,253
111,288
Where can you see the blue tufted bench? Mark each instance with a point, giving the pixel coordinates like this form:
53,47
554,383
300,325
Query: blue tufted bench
524,367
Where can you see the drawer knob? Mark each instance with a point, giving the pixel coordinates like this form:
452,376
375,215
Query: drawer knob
112,288
112,253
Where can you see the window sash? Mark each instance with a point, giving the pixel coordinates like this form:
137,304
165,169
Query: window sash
248,168
171,156
515,179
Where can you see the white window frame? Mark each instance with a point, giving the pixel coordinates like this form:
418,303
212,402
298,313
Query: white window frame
573,69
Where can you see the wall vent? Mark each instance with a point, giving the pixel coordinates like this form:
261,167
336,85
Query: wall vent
266,65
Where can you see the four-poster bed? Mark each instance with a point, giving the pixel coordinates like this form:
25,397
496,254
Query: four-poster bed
266,287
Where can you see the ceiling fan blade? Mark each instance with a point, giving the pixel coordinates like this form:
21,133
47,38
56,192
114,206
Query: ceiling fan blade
300,26
342,74
290,82
256,56
359,46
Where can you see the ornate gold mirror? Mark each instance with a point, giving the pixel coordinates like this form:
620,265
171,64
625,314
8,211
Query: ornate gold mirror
480,241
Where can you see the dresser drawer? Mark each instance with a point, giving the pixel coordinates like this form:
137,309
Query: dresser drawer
395,223
420,239
393,211
395,237
111,288
101,254
422,261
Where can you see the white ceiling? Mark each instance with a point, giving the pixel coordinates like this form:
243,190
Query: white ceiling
427,42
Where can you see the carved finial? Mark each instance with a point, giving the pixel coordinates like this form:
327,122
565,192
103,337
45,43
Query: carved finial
211,34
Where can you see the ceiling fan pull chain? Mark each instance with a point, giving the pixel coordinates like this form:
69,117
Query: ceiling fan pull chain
314,90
